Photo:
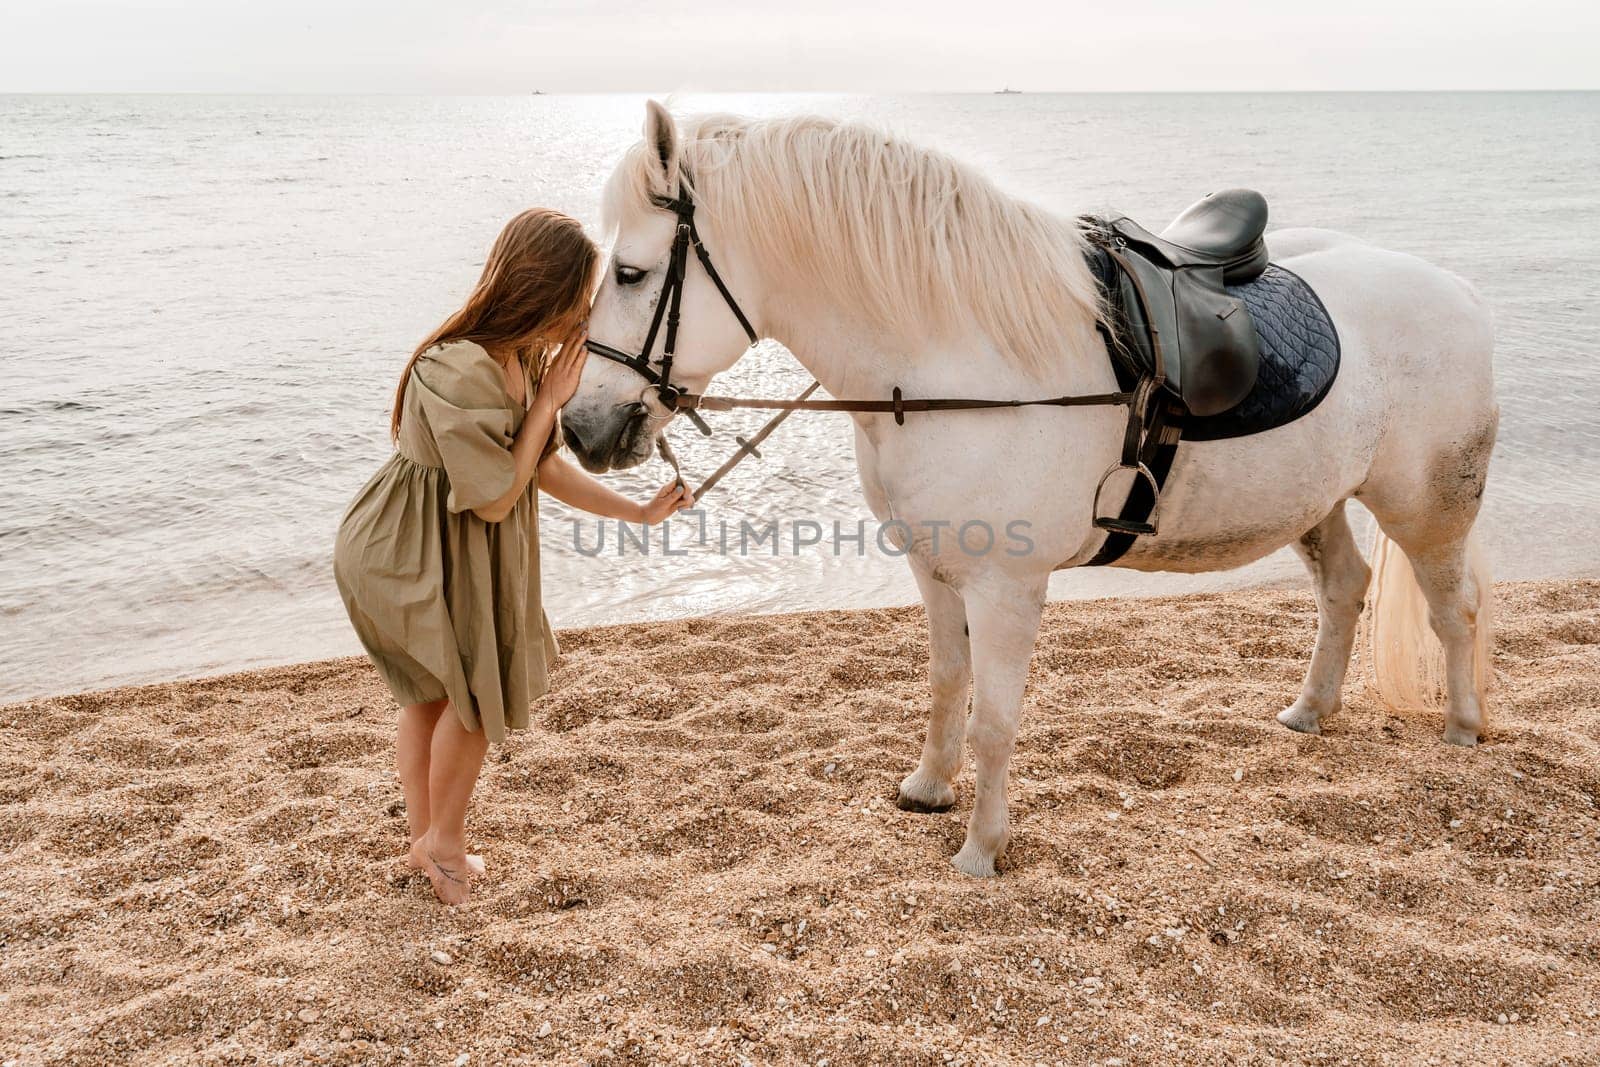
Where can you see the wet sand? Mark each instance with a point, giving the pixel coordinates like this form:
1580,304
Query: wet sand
695,857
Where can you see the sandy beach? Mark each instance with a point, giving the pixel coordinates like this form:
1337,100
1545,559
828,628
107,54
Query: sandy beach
695,857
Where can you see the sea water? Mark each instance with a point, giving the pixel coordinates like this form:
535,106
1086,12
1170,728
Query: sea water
205,303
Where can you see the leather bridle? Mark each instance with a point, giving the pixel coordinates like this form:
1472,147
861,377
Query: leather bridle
658,374
667,307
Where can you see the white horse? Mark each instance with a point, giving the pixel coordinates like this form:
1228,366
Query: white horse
880,264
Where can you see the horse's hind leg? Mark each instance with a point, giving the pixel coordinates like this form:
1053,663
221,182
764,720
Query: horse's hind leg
1430,515
1447,582
931,787
1340,576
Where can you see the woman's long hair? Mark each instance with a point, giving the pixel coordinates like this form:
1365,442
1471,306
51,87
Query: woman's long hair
539,278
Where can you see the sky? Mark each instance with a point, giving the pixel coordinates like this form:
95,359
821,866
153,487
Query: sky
482,46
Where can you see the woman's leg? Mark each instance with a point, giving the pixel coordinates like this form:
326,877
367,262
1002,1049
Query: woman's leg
455,759
417,722
412,750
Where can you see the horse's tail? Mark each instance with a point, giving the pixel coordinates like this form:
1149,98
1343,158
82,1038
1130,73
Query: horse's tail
1403,659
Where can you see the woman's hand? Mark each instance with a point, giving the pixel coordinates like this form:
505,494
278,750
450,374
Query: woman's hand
557,383
560,378
673,497
572,486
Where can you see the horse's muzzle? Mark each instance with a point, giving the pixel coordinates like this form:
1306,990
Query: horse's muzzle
622,440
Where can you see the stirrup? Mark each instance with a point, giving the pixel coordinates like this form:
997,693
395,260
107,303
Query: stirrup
1132,527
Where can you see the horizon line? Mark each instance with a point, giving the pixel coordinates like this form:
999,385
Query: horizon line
783,92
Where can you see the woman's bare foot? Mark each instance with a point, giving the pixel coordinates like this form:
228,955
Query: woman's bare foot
449,874
417,860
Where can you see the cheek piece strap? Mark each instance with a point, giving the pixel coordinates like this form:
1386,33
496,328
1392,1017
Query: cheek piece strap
668,307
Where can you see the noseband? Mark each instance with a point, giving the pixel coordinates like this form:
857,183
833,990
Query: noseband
667,306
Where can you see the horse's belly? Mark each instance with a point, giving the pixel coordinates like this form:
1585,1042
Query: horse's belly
1221,547
1229,503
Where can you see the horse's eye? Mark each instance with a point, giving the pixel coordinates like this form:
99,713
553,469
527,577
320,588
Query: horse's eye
629,275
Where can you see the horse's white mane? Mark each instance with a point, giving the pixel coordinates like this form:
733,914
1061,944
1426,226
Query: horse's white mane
892,231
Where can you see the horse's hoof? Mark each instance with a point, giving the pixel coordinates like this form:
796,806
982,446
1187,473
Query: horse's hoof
970,861
1301,719
923,798
912,804
1456,735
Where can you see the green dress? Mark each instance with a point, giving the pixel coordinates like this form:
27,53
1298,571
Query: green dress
446,604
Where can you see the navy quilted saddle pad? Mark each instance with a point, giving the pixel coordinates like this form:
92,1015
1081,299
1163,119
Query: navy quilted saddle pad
1299,358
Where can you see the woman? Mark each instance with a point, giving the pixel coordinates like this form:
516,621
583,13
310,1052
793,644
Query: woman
438,560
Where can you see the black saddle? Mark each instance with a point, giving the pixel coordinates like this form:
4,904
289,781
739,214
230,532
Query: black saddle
1209,340
1181,344
1174,319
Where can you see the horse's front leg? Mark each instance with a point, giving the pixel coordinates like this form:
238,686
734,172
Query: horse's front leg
931,787
1003,615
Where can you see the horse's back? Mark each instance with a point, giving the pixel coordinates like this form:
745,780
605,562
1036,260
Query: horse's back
1412,322
1283,245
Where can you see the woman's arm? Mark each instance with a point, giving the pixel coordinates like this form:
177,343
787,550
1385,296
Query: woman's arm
571,486
536,427
559,382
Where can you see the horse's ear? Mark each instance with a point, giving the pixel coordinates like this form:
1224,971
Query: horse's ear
661,134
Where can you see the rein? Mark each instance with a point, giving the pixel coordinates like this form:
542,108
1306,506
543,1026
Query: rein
690,404
897,405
